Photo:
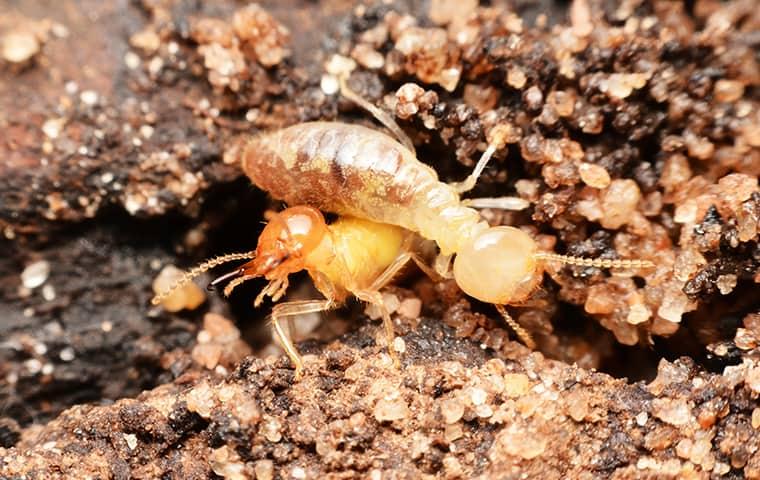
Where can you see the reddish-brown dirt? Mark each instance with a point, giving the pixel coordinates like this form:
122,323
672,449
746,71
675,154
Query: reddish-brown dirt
633,132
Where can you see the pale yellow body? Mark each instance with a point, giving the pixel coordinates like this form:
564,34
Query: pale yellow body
353,255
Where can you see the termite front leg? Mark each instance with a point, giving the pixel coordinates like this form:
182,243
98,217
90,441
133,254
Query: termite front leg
407,254
496,140
289,310
379,114
469,183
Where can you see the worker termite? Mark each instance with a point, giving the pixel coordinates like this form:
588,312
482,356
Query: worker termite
385,197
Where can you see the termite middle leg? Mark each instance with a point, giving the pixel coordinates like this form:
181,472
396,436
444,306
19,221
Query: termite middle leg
398,263
372,293
289,310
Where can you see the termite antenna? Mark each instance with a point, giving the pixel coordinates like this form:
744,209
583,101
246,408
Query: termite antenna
381,115
595,262
523,334
202,268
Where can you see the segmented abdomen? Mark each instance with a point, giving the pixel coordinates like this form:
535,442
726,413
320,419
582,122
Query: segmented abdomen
353,170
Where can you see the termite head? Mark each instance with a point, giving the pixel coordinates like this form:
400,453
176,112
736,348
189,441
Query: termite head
289,237
499,266
283,248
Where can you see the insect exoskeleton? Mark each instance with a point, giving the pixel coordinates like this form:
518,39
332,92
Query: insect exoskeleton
351,256
385,198
360,172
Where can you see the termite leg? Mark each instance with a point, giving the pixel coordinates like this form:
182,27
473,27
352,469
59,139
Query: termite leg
234,283
496,140
291,309
430,272
523,334
398,263
381,115
292,328
373,297
498,203
372,294
469,183
442,266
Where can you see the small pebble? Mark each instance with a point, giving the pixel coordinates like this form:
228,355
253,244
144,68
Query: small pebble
272,429
674,412
641,419
621,85
201,400
390,410
226,463
35,274
189,296
19,46
48,292
338,65
478,396
594,175
452,410
443,12
619,201
264,470
131,440
728,90
516,384
516,78
131,60
52,127
484,411
298,473
146,40
66,354
368,57
89,97
399,345
410,308
329,84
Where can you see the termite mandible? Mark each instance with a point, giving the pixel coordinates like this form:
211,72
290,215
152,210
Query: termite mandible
384,197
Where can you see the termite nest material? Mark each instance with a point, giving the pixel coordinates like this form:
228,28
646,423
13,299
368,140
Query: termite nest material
622,142
633,131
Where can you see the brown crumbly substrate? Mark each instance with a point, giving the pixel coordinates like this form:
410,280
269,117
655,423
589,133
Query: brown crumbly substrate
454,411
632,129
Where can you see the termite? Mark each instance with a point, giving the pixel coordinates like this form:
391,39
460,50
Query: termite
384,197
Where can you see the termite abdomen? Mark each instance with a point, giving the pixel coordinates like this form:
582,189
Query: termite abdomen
354,170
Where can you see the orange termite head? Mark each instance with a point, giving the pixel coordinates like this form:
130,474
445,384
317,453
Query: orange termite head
283,247
289,237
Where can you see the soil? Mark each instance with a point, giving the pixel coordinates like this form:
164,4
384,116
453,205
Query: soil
631,129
